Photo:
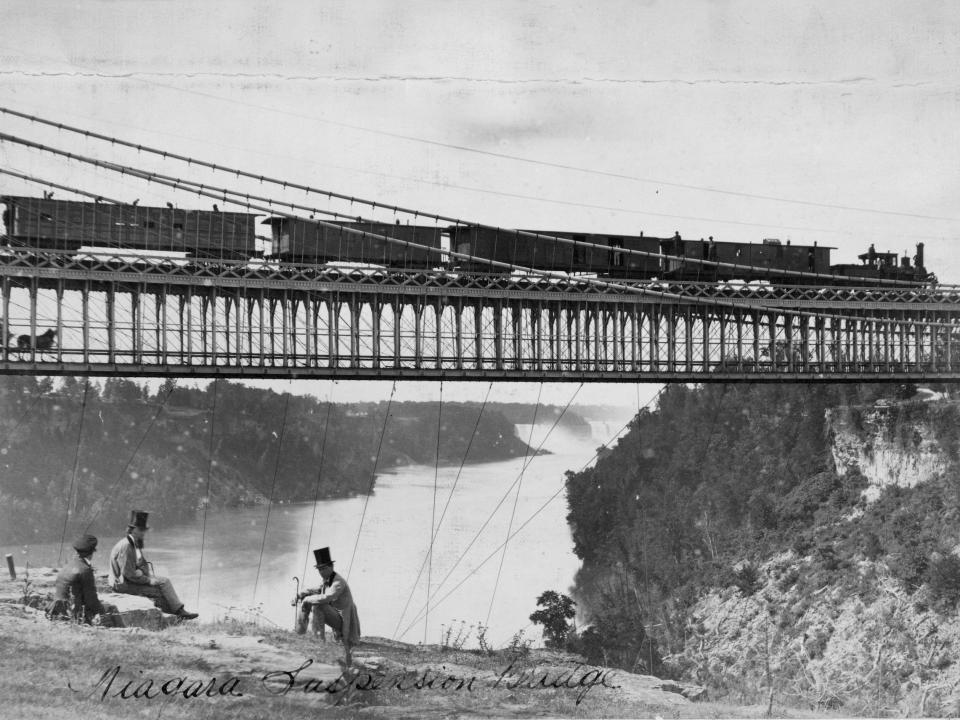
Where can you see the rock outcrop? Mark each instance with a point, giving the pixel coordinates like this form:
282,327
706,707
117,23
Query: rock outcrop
33,587
901,444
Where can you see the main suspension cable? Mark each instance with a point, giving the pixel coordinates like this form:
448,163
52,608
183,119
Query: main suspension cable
645,290
222,192
464,148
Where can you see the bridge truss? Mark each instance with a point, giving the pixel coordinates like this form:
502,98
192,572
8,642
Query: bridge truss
115,316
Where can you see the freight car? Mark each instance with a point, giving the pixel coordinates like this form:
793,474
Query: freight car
760,260
545,253
305,241
66,225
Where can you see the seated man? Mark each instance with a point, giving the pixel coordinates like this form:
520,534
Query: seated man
130,572
75,594
332,604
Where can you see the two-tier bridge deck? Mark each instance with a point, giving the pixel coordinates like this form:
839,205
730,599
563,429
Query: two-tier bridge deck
131,316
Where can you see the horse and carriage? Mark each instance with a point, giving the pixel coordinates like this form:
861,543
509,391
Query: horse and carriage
44,342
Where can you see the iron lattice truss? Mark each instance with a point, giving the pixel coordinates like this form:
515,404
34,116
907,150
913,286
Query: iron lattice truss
133,317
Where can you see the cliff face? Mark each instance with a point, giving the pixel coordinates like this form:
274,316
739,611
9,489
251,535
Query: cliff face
900,444
867,626
870,652
800,543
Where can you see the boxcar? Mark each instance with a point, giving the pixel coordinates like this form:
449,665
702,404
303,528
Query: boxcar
65,225
547,253
307,241
757,259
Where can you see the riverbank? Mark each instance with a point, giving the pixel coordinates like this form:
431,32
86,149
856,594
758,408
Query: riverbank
181,451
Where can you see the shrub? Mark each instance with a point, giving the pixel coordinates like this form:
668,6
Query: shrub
747,578
943,579
870,545
589,644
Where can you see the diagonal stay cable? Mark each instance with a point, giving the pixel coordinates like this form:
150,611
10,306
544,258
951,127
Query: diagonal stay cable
143,438
443,514
273,487
516,499
502,499
433,513
526,522
206,504
76,466
22,417
373,477
316,495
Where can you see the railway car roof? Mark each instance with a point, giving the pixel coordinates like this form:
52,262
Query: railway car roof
27,198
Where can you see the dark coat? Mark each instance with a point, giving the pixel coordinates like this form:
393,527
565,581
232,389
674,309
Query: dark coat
337,594
75,594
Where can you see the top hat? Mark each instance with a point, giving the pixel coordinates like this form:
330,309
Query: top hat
85,544
322,557
138,519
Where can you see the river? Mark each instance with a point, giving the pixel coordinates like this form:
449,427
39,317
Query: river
248,573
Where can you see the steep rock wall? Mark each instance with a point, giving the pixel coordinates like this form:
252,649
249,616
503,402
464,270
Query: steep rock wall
898,444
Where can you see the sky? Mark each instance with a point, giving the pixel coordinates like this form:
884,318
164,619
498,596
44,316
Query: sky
828,122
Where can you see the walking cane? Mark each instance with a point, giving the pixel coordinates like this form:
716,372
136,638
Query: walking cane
296,603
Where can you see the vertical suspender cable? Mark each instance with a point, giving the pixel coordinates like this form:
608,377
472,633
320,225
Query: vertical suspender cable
76,464
206,503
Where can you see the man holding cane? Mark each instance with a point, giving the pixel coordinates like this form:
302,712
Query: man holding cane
130,572
331,604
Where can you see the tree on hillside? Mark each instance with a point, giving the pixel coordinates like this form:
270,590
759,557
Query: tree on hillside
555,610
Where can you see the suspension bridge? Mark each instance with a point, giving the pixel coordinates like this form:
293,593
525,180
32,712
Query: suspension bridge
113,312
113,315
116,313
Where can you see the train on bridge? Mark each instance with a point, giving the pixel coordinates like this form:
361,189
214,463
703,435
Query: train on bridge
66,226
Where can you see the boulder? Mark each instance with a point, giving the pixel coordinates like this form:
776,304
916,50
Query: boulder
34,588
135,611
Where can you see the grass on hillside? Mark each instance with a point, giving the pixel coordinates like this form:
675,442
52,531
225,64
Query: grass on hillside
51,671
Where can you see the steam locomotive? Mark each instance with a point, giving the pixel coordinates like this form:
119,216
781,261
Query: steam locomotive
67,225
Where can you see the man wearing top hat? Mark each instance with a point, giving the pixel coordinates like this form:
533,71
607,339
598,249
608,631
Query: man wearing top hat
130,572
332,604
75,594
